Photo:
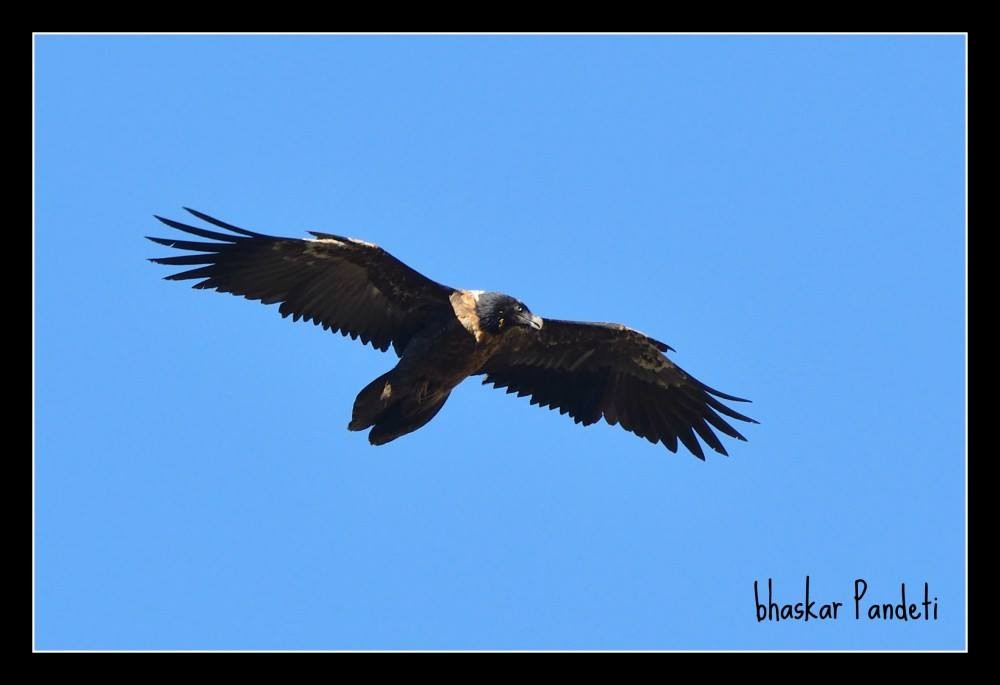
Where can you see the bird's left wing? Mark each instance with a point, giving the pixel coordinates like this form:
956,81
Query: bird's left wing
590,370
343,284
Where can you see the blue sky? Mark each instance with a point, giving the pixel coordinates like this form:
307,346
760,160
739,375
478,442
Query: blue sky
786,212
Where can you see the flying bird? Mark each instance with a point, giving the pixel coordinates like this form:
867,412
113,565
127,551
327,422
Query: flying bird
443,335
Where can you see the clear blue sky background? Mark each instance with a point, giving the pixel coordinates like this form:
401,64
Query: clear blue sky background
787,212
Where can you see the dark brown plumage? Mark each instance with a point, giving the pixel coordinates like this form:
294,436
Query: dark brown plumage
442,335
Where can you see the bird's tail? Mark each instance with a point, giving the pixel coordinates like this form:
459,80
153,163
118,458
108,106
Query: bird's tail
393,411
372,402
404,417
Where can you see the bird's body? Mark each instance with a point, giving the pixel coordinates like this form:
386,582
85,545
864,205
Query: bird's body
440,356
443,335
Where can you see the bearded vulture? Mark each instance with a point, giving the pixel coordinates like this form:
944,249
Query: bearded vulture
443,335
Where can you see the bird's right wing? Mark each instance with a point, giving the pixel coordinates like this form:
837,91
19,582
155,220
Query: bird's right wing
590,370
343,284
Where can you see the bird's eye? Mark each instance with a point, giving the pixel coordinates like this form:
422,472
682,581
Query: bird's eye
520,308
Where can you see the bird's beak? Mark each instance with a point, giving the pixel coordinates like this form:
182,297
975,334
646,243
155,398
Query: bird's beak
529,320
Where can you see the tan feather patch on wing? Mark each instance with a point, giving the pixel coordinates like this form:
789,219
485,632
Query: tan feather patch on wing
463,302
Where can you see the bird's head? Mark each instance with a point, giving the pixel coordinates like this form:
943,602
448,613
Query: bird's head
499,313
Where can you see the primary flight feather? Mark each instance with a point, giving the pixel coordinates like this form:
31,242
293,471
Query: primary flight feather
443,335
